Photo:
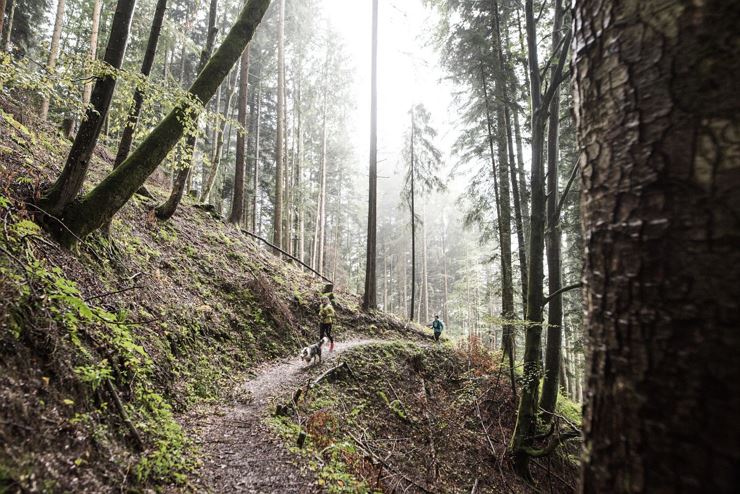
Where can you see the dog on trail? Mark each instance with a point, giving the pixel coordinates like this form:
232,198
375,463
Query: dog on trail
310,353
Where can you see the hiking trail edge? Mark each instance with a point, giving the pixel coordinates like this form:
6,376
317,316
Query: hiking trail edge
240,453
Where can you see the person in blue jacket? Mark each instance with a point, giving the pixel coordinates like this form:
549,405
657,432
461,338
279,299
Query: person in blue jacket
437,326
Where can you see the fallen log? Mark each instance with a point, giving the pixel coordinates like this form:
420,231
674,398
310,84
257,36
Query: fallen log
331,372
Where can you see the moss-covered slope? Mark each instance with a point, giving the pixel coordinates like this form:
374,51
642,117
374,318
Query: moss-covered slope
100,348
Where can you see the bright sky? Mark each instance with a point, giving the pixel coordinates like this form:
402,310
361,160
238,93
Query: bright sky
408,73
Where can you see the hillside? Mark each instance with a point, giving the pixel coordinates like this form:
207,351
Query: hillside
154,358
102,349
406,417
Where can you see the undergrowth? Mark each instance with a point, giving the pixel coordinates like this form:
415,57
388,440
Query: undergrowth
434,418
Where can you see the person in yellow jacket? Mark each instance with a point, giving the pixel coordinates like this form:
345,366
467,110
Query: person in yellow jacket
326,316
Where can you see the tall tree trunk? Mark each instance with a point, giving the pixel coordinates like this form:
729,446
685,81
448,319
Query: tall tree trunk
404,308
445,315
318,245
127,137
168,208
503,80
523,190
277,221
219,149
51,63
117,188
9,25
424,272
69,183
386,275
237,204
507,288
413,222
2,16
525,429
369,299
554,269
658,119
257,218
301,203
93,50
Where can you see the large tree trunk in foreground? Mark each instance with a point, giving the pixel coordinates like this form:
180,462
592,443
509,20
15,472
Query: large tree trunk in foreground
237,204
53,50
117,188
369,299
127,137
277,219
69,183
183,176
554,270
658,120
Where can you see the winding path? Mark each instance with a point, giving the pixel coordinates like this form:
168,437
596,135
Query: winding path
240,453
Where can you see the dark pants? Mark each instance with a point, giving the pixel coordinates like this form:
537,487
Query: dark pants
437,335
325,330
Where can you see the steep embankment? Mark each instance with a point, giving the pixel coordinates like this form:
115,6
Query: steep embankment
103,348
417,418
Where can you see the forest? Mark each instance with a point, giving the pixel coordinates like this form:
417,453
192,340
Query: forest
428,246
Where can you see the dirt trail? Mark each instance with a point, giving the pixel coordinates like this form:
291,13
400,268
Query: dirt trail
240,453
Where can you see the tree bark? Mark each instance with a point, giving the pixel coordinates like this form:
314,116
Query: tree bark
658,120
93,50
69,183
369,299
127,138
277,221
115,190
237,204
53,50
554,268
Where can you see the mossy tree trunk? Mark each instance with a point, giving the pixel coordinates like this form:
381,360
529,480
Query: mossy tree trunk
69,183
658,121
88,214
